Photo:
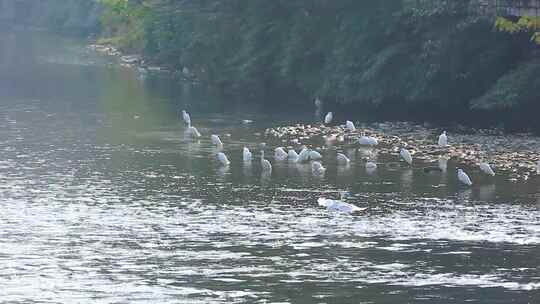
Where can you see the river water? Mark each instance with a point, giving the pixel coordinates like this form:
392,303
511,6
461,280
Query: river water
104,200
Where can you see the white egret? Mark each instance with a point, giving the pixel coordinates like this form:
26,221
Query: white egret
339,206
223,159
246,155
349,125
280,154
216,140
304,155
367,141
443,140
328,118
342,159
406,155
186,117
265,164
486,168
292,155
192,131
314,155
371,166
464,178
317,168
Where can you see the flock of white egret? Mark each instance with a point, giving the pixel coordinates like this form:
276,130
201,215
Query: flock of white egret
307,155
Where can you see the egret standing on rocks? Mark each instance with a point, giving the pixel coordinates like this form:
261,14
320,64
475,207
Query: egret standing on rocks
328,118
349,125
186,117
443,140
406,155
223,159
246,155
463,177
367,141
486,168
265,164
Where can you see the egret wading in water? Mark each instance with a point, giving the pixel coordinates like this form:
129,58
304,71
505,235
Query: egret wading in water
246,155
443,140
192,131
303,156
406,156
328,118
338,206
292,155
265,164
314,155
349,125
371,166
463,177
186,117
216,140
317,168
486,168
222,158
342,159
280,154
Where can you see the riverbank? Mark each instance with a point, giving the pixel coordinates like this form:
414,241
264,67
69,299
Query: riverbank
440,62
511,155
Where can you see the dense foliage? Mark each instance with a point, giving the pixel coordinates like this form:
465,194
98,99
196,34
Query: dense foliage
424,57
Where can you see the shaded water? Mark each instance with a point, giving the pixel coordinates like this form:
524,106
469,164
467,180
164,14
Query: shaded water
104,200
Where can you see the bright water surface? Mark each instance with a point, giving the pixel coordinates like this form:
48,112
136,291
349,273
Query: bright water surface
103,200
